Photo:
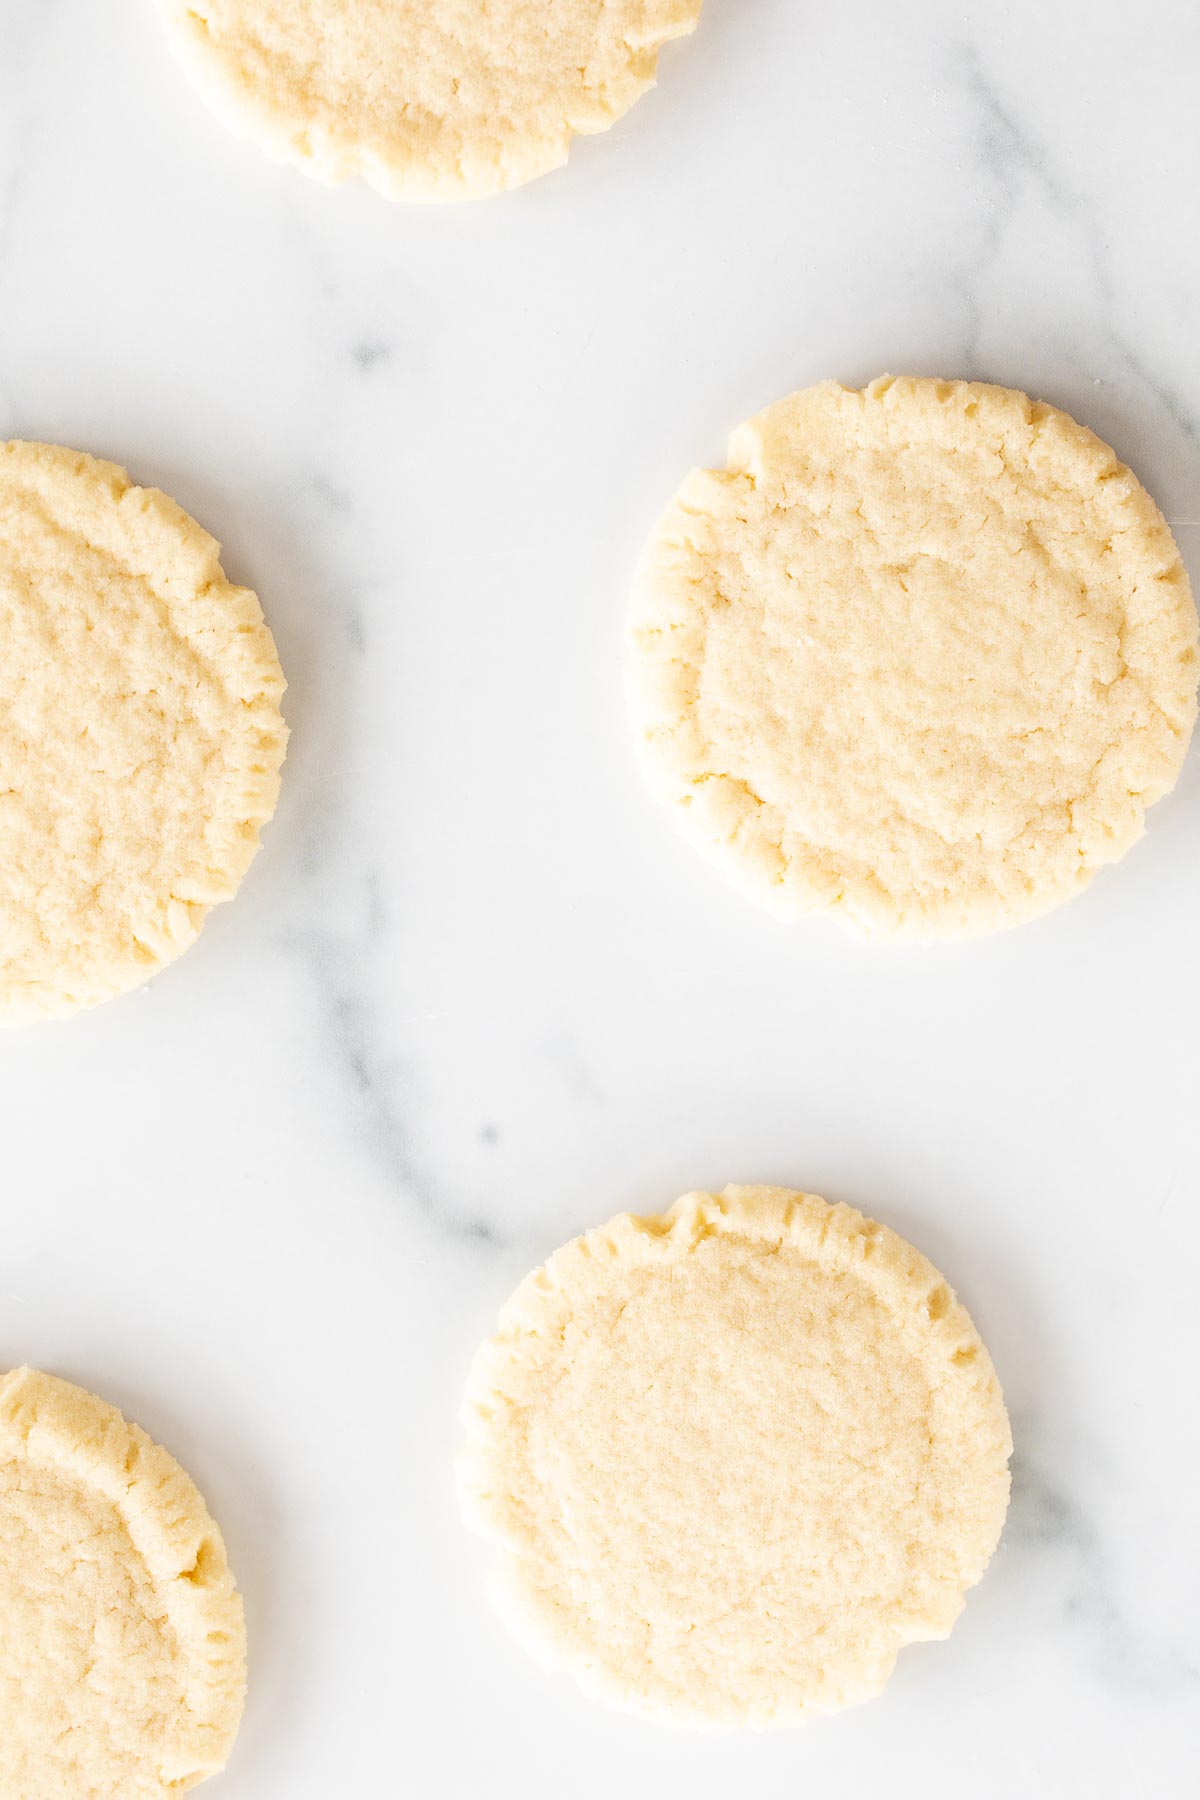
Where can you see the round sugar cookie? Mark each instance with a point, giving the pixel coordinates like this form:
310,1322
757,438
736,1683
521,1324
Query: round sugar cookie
425,99
122,1644
921,656
140,732
735,1458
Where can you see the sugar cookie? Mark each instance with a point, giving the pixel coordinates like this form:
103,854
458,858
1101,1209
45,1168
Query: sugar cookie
122,1646
735,1457
140,733
920,657
425,99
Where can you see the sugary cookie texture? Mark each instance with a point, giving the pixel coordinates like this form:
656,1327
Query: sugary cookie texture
735,1458
425,99
140,732
122,1644
920,657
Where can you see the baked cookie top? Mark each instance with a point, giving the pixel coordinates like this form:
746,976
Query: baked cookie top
123,1649
921,656
425,99
735,1457
140,731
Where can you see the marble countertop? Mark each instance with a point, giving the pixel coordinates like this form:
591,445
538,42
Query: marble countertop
475,995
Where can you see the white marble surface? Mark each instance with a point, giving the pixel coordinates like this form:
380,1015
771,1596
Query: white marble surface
475,995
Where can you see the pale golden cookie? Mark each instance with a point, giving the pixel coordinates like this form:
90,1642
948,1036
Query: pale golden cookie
140,732
425,99
735,1458
921,656
122,1645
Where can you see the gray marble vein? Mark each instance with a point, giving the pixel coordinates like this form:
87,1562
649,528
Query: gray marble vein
1050,1523
383,1089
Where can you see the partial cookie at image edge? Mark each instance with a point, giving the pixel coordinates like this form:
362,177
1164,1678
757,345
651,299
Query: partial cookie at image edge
466,120
66,1455
141,736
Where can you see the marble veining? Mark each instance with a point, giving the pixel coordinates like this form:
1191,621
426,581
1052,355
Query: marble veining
383,1093
474,996
1049,1523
